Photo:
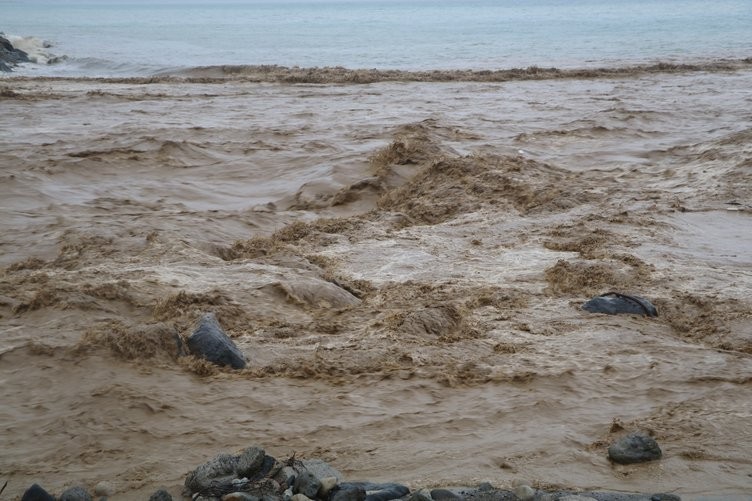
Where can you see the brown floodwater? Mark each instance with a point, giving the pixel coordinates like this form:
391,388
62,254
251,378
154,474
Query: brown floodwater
403,264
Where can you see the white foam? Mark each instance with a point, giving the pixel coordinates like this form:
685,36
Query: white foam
35,48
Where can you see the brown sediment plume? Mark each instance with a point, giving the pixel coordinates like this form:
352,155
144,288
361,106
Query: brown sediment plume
402,264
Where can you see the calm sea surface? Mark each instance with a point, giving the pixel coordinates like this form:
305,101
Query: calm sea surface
139,37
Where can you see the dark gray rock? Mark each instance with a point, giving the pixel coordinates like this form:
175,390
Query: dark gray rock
161,495
75,494
622,496
444,495
307,484
36,493
240,496
209,341
379,492
348,492
10,56
614,303
634,448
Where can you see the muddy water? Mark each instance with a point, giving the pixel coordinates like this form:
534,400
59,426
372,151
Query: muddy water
403,264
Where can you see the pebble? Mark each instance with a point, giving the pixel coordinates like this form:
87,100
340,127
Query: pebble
75,494
103,488
634,448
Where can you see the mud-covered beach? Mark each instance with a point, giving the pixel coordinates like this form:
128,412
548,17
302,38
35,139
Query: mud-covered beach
403,263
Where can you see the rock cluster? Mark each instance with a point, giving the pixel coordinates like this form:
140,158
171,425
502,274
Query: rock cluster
252,475
9,55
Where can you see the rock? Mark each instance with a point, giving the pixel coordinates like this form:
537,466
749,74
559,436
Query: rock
286,476
664,497
379,492
634,448
444,495
614,303
103,488
345,492
240,496
421,495
307,484
321,469
575,497
10,56
524,492
224,468
300,497
36,493
209,341
327,484
161,495
75,494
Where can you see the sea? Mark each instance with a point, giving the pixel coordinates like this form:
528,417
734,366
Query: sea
117,37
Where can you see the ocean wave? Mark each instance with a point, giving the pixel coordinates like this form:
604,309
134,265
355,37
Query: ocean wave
35,48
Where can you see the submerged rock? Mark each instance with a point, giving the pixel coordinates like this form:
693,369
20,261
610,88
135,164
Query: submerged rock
210,342
613,303
634,448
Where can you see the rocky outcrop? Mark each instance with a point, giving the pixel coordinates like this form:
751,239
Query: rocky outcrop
10,56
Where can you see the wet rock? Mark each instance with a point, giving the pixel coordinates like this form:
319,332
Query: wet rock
161,495
307,484
634,448
209,341
75,494
348,492
614,303
10,56
36,493
444,495
576,497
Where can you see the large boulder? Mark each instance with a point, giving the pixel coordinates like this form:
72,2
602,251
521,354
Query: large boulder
210,342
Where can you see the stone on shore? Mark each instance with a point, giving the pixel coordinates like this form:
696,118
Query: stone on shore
75,494
321,469
379,492
37,493
524,492
348,492
103,488
210,342
225,468
634,448
240,496
307,484
161,495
